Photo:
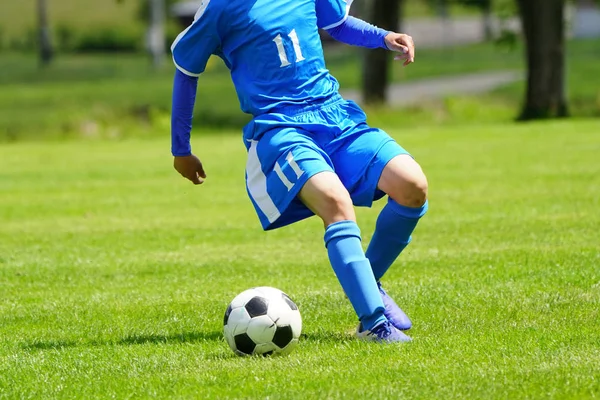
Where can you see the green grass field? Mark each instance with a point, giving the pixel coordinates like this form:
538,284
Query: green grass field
115,273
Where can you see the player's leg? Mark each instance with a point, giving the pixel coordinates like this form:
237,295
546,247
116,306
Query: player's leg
370,163
327,197
406,185
288,174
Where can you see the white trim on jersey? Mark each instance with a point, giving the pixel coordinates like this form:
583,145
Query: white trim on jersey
348,4
198,15
185,71
256,182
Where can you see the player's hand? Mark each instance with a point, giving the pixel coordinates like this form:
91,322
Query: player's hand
403,44
191,168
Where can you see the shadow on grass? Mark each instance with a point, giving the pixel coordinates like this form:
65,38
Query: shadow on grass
327,337
52,345
315,337
185,337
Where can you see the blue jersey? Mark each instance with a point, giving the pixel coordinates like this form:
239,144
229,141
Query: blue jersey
272,48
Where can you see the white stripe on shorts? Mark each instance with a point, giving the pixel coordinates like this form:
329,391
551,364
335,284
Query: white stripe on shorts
256,182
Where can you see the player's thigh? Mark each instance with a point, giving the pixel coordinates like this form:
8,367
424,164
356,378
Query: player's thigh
404,181
279,166
325,195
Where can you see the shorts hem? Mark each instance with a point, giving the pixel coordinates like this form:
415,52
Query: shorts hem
383,156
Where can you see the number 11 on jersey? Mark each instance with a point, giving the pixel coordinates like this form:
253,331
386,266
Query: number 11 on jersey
281,48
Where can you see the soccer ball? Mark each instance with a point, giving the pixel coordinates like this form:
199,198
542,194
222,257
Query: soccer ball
262,320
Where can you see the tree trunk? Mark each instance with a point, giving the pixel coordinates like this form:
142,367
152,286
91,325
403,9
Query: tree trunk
486,20
46,51
156,32
544,30
384,14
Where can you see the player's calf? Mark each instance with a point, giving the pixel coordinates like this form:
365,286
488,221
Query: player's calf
327,197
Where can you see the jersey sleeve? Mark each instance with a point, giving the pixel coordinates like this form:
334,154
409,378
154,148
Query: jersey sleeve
357,32
194,46
331,13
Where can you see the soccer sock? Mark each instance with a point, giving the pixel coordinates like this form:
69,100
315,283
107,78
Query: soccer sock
393,230
353,270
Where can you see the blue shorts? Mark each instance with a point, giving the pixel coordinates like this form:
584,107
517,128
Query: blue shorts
286,148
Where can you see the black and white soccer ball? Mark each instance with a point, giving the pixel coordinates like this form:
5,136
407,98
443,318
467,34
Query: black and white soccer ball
262,320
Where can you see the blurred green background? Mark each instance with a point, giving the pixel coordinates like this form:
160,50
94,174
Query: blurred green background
101,82
115,272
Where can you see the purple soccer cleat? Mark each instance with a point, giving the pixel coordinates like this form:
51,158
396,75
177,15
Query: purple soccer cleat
385,332
394,313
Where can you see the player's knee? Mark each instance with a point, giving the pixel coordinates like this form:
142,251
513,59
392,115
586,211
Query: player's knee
419,190
404,181
412,191
338,206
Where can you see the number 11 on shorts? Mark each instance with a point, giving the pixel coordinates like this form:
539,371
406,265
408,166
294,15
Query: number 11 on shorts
295,167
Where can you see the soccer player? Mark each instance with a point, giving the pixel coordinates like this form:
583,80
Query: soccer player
309,150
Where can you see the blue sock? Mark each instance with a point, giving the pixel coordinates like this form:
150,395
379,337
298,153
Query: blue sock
353,270
393,230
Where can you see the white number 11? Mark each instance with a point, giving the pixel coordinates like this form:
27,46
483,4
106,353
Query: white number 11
282,55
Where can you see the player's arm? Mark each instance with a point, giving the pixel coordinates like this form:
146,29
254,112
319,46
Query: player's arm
191,51
184,98
333,16
357,32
